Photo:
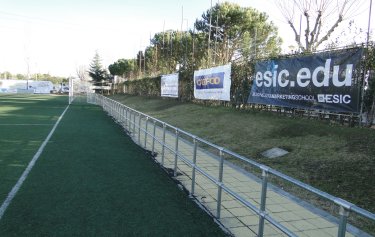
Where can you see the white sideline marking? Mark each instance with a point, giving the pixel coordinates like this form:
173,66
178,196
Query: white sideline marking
24,175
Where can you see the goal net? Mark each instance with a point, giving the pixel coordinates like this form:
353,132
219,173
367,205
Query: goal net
78,90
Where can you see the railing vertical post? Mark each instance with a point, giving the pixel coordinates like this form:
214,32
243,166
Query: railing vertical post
134,125
121,115
109,106
176,154
117,107
119,112
115,111
163,145
153,138
220,189
139,128
146,131
263,199
344,213
126,118
193,167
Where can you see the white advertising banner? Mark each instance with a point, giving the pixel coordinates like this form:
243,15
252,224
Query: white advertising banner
169,85
213,83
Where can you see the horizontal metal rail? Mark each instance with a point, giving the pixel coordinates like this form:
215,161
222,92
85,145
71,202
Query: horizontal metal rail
115,109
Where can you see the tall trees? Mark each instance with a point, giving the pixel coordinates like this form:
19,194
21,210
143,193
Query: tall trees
236,32
123,67
319,18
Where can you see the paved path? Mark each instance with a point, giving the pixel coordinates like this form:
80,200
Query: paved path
298,216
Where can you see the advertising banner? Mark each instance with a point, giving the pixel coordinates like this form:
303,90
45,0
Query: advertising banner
169,85
324,81
213,83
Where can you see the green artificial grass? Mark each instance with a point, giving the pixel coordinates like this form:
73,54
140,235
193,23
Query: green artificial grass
92,180
25,121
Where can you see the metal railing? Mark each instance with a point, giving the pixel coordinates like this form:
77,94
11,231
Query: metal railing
132,119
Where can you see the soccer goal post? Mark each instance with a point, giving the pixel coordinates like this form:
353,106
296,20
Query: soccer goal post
78,89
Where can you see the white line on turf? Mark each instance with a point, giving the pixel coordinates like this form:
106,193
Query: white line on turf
24,175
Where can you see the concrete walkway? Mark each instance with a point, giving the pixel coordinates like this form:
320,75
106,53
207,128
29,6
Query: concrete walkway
298,216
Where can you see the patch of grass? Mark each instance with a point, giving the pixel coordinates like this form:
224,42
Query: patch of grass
338,160
20,141
92,180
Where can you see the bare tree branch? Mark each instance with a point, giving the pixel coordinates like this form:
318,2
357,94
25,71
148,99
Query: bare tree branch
297,36
313,33
330,31
82,73
318,14
307,31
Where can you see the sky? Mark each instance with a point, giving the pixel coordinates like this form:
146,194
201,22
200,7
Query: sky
59,36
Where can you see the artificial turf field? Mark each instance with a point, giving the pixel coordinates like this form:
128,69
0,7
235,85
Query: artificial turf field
90,180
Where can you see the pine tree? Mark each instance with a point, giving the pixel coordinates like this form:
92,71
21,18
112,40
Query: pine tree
96,71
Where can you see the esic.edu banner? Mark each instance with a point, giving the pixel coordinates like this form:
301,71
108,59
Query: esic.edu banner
325,81
169,85
213,83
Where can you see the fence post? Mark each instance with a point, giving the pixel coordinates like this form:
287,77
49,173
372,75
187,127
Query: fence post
134,125
220,183
122,116
129,119
194,165
163,145
111,109
153,138
115,110
139,128
344,213
126,119
147,118
176,154
263,201
118,112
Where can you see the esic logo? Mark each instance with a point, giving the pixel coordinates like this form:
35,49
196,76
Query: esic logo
208,81
334,99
